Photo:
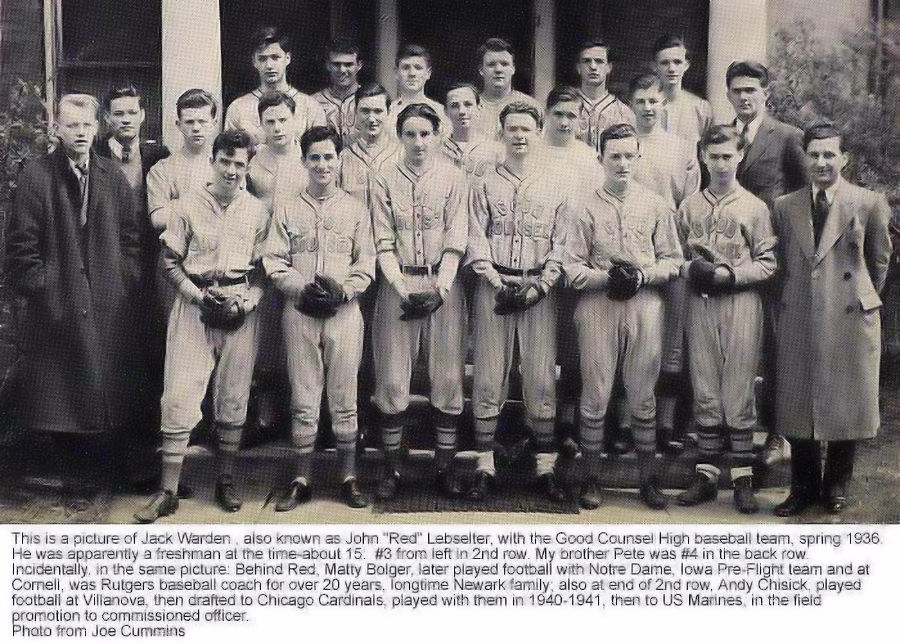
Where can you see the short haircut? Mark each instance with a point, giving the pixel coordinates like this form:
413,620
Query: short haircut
590,43
343,46
231,140
194,99
317,134
271,99
521,107
123,91
615,133
561,94
722,134
410,51
749,68
462,85
643,81
373,89
420,110
668,41
822,129
265,36
79,100
495,45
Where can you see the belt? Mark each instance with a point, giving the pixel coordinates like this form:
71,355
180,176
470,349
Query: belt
202,282
429,270
517,272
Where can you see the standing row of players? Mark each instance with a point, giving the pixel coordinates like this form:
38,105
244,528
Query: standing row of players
536,217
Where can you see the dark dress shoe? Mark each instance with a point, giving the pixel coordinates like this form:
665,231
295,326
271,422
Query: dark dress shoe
550,487
298,492
447,483
569,449
776,450
796,503
481,486
701,490
591,496
162,504
652,496
184,491
352,495
388,487
744,499
226,495
836,500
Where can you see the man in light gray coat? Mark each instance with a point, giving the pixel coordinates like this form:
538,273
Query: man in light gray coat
834,250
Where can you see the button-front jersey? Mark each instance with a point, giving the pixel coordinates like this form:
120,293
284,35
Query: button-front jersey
243,114
360,159
489,111
173,177
668,166
596,116
474,157
277,176
688,117
339,112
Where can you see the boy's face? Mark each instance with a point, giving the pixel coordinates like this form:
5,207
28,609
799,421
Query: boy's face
562,117
722,160
343,69
413,73
196,125
519,134
619,157
125,117
825,161
497,69
748,97
76,128
230,168
271,63
321,160
370,114
646,105
593,66
671,64
462,107
278,124
417,136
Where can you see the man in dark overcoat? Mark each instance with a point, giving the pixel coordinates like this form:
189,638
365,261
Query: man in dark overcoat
73,262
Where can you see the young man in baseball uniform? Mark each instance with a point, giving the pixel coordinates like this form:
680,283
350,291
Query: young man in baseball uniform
598,109
621,247
413,71
421,230
276,170
338,100
372,147
497,66
271,57
213,247
685,114
467,147
668,166
730,247
515,236
320,256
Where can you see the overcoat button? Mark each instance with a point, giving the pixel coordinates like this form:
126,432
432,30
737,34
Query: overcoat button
847,276
850,308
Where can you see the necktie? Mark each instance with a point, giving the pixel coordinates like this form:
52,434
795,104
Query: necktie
82,183
126,153
820,214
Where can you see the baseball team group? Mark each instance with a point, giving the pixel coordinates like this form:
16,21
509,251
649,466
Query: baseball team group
320,233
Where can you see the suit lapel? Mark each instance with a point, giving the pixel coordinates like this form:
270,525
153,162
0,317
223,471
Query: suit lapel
839,217
762,140
801,220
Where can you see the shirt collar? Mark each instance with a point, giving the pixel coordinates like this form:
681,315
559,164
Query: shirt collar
116,148
752,127
829,192
77,170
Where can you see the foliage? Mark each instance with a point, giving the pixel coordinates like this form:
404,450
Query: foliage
814,80
23,134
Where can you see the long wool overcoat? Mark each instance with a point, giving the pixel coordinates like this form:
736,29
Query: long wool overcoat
79,303
828,325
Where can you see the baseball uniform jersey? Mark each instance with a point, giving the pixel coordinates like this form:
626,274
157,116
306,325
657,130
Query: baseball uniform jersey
360,159
275,176
474,157
489,111
243,113
340,113
220,247
596,116
725,331
333,237
390,123
172,177
638,226
421,230
688,116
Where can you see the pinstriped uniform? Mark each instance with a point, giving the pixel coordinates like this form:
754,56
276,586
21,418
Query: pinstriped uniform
339,112
359,160
596,116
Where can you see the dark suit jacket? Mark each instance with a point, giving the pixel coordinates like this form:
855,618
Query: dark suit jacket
150,154
774,163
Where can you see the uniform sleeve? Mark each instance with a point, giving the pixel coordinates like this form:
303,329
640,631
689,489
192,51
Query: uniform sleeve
691,176
579,240
878,246
760,238
315,113
456,232
161,192
706,116
683,228
25,263
177,234
552,270
276,258
362,270
259,247
479,248
384,235
232,116
668,251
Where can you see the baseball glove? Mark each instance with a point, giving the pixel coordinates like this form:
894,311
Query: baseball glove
625,280
507,300
219,311
316,302
528,294
421,304
332,288
701,274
